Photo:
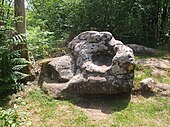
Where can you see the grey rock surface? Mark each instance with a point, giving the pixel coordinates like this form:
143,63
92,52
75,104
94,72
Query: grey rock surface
98,64
153,62
141,50
61,68
147,84
163,89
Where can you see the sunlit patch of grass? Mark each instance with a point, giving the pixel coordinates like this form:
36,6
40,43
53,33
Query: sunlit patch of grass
45,111
164,79
49,112
147,113
141,73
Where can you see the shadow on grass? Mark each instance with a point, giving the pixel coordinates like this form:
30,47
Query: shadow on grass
107,104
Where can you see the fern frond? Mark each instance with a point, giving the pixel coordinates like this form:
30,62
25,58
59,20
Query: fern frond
16,75
19,38
19,67
20,61
11,62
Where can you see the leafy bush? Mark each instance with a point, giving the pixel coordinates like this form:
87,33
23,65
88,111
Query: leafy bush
11,62
41,42
13,117
143,22
8,118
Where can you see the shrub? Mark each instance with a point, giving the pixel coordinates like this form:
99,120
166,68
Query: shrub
13,117
8,118
11,62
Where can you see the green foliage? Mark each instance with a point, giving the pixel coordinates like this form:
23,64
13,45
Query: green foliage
8,118
11,62
14,116
6,12
55,14
140,22
49,24
11,117
41,42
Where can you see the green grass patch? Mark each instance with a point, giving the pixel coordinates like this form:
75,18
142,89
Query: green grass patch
122,111
141,73
147,113
52,113
162,78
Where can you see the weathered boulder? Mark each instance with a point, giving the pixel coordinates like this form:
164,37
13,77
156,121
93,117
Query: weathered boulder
142,50
61,68
97,64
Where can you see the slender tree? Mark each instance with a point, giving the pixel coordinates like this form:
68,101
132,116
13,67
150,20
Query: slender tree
20,26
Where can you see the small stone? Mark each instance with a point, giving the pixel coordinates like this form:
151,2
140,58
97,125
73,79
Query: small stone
147,84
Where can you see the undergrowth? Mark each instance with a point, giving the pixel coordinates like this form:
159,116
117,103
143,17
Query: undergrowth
11,62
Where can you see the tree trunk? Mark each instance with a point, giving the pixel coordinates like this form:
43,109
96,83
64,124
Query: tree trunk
1,14
20,26
19,7
164,20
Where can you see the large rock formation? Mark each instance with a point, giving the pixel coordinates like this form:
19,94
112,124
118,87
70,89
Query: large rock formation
143,50
97,64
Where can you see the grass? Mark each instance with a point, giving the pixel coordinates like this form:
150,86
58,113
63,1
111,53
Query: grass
138,111
152,112
164,79
142,72
48,112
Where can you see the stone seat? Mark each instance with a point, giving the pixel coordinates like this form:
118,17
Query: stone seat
96,64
